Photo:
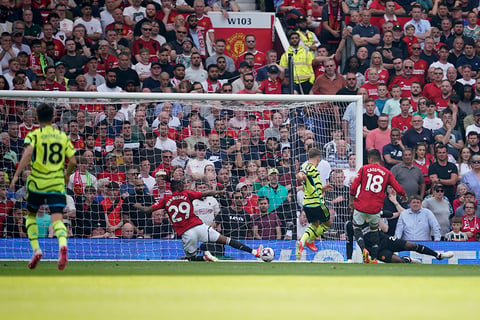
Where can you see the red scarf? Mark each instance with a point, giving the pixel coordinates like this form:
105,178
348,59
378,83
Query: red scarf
334,20
210,87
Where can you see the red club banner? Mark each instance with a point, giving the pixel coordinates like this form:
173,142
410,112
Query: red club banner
238,24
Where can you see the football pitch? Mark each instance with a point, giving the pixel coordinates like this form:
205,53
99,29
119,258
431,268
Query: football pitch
236,290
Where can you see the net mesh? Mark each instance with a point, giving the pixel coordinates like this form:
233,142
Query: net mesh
253,148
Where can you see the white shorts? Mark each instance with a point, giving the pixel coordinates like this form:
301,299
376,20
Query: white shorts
191,237
360,218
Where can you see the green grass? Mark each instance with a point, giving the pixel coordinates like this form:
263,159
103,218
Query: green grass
231,290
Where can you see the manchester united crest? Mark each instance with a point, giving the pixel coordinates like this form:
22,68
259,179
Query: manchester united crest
236,45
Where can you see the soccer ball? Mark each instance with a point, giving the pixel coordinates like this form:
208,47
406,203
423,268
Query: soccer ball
267,255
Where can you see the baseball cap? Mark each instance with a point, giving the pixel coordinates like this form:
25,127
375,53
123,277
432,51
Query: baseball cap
60,63
397,27
155,63
251,114
476,112
301,18
273,69
438,186
240,186
476,100
273,171
187,39
160,173
91,58
110,155
243,64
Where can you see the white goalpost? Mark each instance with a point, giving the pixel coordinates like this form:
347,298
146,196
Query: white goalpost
254,146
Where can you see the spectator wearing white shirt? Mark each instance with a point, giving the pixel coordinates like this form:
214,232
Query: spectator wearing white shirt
417,223
163,141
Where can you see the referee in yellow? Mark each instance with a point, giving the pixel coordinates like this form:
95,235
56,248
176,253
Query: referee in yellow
46,149
313,203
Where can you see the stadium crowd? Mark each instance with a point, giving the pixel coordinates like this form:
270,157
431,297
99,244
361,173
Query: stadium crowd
415,63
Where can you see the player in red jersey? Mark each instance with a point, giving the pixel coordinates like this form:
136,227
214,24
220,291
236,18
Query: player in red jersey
188,226
367,195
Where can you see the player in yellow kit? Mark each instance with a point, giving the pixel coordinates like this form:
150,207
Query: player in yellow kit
46,149
313,203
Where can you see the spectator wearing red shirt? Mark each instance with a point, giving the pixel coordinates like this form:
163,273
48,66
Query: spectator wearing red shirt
248,84
273,84
48,37
378,7
406,79
403,121
37,60
166,164
105,59
103,143
433,90
372,84
295,8
260,57
28,123
388,12
470,223
112,207
167,14
420,66
203,22
50,76
442,100
111,171
145,41
119,25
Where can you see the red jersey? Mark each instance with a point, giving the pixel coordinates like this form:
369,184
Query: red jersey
114,213
271,87
126,30
118,176
431,91
59,48
382,76
404,83
371,89
205,23
163,167
420,69
105,146
180,209
35,64
319,68
260,59
471,226
402,123
104,64
441,103
153,47
369,186
55,86
24,130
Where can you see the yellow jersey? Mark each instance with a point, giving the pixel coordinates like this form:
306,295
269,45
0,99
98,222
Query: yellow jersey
50,148
312,187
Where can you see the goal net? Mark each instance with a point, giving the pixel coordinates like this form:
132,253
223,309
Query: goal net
130,145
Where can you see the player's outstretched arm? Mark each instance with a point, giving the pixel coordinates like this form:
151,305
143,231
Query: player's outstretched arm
26,157
142,208
212,193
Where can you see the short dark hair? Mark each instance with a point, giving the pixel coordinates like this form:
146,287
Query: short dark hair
263,198
44,113
374,154
314,152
